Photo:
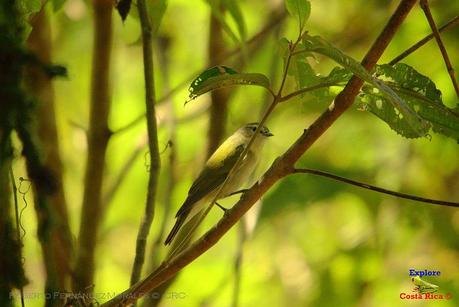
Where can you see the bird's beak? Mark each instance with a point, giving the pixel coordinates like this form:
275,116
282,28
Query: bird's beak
269,134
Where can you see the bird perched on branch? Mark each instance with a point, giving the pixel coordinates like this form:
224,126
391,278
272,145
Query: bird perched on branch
216,170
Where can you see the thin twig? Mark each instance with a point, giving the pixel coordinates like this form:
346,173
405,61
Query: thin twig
121,176
279,169
449,25
375,188
155,161
425,7
155,297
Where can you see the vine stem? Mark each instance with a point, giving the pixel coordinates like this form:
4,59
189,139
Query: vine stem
281,167
18,225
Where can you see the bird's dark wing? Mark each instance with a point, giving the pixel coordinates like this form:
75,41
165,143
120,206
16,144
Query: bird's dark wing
210,178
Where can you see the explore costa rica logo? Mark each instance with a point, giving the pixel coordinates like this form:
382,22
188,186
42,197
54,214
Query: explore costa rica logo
424,290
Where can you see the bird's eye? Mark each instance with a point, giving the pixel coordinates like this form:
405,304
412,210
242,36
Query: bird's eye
254,129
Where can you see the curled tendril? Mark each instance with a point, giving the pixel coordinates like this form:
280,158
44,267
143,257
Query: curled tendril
23,189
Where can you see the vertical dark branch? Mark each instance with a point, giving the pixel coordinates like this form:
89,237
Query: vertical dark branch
219,98
425,7
98,136
10,78
39,85
150,101
18,113
11,270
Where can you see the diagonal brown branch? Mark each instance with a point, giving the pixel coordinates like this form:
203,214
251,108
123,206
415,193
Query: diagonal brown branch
425,7
279,169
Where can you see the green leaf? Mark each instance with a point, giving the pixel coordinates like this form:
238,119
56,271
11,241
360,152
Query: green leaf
57,4
216,7
302,72
300,9
338,75
283,49
222,76
156,10
317,44
122,6
235,11
30,6
419,92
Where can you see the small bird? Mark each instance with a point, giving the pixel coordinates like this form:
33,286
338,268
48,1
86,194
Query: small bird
217,168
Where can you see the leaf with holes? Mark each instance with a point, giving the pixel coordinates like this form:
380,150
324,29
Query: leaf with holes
336,79
419,92
222,76
321,46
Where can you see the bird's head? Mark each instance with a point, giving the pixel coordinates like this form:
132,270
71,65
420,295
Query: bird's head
249,129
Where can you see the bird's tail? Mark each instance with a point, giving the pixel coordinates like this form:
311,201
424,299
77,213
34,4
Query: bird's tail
178,224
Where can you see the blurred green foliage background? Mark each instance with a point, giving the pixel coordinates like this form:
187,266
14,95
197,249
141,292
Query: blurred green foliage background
316,242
